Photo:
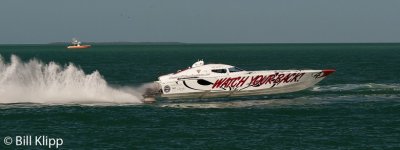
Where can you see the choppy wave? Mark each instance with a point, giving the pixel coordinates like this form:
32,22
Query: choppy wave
37,82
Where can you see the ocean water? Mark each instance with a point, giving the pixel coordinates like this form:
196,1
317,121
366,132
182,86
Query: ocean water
91,98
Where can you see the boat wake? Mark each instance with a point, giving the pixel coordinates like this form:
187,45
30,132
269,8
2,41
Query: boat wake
313,97
36,82
367,87
298,102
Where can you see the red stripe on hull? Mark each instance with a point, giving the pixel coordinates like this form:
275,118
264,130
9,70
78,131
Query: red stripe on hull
327,72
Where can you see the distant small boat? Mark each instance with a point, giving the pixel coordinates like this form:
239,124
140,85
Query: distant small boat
77,45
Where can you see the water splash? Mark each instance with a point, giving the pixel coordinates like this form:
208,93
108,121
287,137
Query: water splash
36,82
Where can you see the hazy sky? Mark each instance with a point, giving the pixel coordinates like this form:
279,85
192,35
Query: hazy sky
200,21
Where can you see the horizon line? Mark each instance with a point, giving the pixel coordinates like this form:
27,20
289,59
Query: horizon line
188,43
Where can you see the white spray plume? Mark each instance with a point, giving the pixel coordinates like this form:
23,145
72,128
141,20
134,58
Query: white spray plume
36,82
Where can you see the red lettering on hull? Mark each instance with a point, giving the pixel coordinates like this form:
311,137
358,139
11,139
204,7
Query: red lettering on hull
258,80
242,81
218,83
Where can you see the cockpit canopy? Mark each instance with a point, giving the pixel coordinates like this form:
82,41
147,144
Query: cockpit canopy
235,69
201,69
223,70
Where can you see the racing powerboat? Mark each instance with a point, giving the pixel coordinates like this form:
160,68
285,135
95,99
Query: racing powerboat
221,80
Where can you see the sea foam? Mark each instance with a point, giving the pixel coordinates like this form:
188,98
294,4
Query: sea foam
37,82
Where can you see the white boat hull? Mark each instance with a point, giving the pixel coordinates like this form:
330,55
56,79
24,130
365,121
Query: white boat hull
242,84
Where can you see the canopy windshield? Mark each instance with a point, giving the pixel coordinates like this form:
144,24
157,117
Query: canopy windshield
235,69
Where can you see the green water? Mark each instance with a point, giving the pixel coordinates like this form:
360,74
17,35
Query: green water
357,107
